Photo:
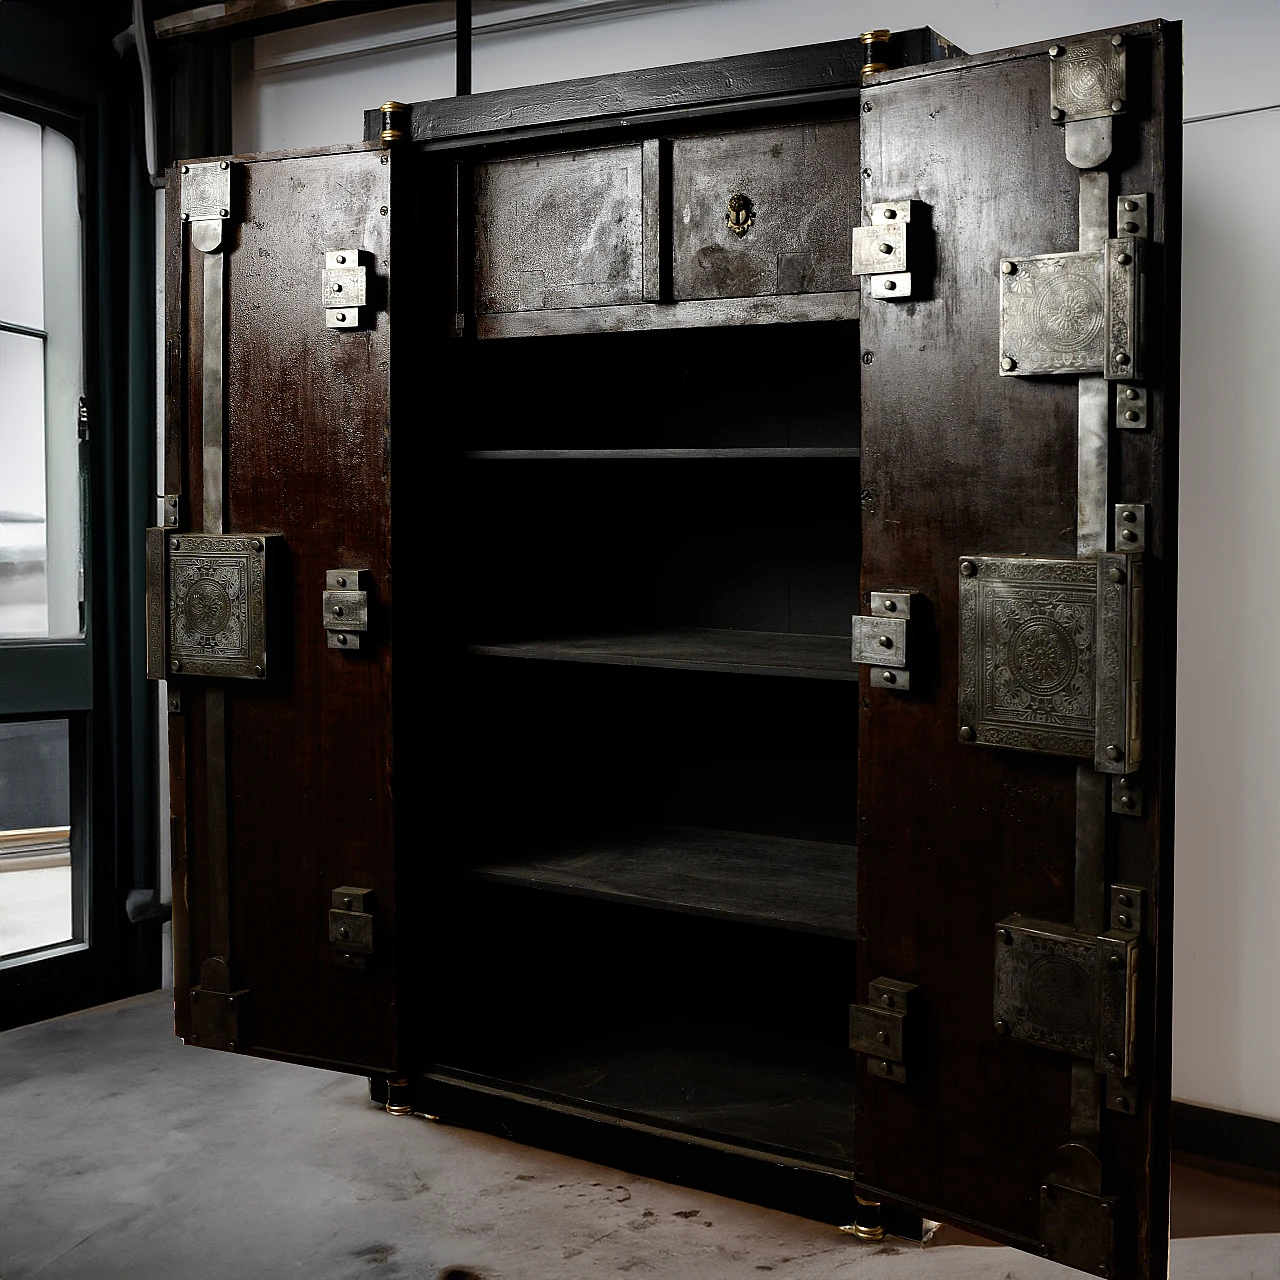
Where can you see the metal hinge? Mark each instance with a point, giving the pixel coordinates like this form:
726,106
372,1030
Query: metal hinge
880,1028
351,927
346,606
1073,992
219,1016
345,288
880,639
885,250
206,604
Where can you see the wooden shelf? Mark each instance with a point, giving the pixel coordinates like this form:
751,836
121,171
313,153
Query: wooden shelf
801,885
507,455
696,649
758,1091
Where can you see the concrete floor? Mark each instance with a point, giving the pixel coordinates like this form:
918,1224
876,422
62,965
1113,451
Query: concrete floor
127,1155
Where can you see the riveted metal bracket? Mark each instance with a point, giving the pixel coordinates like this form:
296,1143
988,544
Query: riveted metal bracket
206,604
345,288
351,927
1071,991
1087,80
1078,1227
880,639
880,1028
1073,312
206,192
1051,656
219,1016
346,607
883,251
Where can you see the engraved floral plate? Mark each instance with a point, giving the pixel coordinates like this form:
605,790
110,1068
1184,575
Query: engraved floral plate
1087,80
206,190
1046,985
1027,653
217,605
1053,314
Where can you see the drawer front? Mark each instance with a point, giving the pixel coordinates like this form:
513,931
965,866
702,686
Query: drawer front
559,231
803,185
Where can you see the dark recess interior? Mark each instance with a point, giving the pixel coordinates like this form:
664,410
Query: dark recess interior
672,842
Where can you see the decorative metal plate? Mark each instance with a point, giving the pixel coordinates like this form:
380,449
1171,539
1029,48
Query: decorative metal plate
879,249
217,605
1087,80
1078,1228
1027,641
1118,710
880,640
1123,350
1046,988
206,190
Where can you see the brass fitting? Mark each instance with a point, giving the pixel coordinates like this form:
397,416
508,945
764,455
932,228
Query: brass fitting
391,132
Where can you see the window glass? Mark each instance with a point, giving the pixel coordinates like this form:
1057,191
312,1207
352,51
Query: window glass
41,382
35,836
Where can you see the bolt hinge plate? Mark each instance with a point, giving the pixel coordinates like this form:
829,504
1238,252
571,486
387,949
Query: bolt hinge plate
346,606
346,286
880,639
880,1028
351,927
882,251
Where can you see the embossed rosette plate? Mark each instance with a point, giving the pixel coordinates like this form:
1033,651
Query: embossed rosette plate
1027,653
217,605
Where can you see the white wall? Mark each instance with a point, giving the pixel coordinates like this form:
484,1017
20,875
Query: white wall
311,86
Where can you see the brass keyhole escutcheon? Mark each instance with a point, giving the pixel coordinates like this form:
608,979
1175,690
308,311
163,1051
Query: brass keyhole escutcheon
740,215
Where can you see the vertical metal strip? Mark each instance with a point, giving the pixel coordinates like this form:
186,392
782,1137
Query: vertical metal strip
1092,466
214,270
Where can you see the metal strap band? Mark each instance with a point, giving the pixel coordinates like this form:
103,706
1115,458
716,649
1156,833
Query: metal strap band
212,374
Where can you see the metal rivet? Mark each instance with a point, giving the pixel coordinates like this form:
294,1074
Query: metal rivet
887,1000
1132,228
1124,899
885,247
222,164
186,168
1126,802
1006,936
232,1046
175,665
1124,921
174,704
1117,40
256,544
386,159
1008,363
890,286
1055,113
175,543
866,173
340,317
224,213
1122,1102
886,642
1113,752
883,1037
868,357
1122,358
1008,267
1131,393
889,606
383,211
346,902
1116,575
341,638
1129,535
1002,1028
890,214
1055,50
342,582
258,671
173,502
1132,415
335,288
866,106
186,217
338,611
1113,1057
966,733
888,677
344,932
1114,962
967,569
339,258
1130,206
1129,516
1124,259
1117,104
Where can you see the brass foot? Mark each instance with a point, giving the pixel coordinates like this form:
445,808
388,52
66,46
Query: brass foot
399,1102
866,1224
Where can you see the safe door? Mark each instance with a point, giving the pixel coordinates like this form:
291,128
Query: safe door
1019,341
268,597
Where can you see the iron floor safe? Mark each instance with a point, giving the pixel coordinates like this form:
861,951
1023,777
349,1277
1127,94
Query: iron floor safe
667,601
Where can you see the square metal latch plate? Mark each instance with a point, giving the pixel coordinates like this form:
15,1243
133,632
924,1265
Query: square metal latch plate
217,605
1087,80
1027,653
880,640
206,191
345,288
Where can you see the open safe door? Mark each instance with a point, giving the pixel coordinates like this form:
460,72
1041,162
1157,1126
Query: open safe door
1019,404
268,594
